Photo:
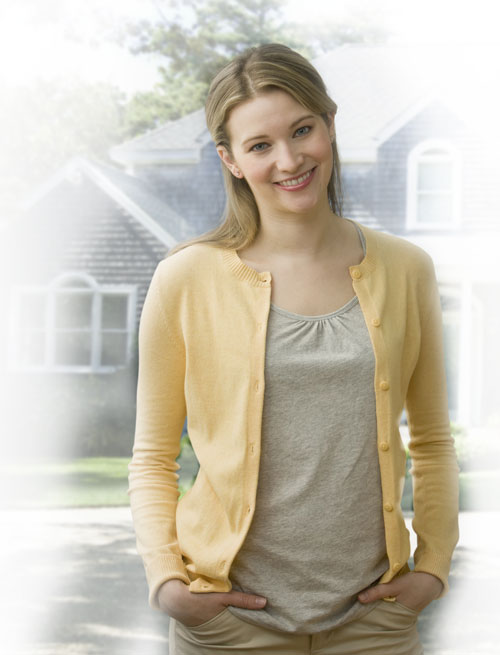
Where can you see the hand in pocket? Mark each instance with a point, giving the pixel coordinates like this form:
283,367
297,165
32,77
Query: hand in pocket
414,590
192,609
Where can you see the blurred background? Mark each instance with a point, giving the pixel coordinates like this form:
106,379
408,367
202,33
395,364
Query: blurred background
106,163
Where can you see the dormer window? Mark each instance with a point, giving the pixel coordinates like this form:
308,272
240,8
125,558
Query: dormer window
433,186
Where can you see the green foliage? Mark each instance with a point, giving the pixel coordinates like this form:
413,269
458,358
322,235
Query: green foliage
219,30
176,96
463,446
81,482
46,123
193,51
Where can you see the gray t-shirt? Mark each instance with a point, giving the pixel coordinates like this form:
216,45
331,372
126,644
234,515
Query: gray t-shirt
317,537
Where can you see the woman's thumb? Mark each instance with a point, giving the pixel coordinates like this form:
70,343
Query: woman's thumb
247,601
374,593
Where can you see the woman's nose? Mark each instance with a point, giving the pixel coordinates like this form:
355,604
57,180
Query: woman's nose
289,159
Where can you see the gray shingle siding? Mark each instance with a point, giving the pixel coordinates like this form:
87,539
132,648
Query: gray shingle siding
80,228
357,183
196,191
391,168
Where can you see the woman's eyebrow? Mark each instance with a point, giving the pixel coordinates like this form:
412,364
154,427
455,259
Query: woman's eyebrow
266,136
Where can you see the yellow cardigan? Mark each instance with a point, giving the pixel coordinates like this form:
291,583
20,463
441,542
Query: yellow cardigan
202,342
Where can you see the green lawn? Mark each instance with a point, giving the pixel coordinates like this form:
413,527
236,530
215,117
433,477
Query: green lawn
84,482
102,481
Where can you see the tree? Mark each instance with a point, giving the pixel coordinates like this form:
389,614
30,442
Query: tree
195,43
194,47
45,123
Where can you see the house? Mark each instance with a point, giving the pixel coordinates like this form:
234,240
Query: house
419,160
75,271
418,138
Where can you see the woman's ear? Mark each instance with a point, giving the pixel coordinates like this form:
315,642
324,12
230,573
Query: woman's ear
228,161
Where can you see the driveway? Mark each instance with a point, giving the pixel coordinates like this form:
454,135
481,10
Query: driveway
72,583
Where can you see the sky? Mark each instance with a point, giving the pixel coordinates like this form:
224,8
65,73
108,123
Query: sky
36,37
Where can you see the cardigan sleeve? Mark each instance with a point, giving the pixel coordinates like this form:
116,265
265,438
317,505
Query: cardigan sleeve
161,411
434,463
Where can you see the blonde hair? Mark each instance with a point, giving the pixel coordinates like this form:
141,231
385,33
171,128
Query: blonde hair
260,69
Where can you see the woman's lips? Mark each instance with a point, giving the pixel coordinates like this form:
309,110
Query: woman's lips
297,183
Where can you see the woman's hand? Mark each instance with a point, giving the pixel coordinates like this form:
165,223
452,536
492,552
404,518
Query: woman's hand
192,609
415,590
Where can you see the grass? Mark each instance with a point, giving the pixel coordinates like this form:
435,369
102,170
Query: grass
103,482
83,482
79,482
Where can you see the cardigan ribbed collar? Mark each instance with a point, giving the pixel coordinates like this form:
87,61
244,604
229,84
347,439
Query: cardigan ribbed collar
263,279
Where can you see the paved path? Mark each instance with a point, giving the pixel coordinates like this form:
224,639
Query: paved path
72,583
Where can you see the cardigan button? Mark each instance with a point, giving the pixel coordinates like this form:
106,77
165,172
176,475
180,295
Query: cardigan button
384,385
396,566
356,274
376,322
384,445
388,507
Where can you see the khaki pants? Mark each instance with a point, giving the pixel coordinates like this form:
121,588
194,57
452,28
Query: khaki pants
388,629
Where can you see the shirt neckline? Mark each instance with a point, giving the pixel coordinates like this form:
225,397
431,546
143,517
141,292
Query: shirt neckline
264,278
316,317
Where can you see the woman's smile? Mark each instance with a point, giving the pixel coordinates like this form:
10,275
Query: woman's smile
278,145
297,183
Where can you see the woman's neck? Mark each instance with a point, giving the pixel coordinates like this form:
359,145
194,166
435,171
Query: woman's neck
295,236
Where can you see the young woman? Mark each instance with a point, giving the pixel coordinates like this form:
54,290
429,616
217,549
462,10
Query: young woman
292,339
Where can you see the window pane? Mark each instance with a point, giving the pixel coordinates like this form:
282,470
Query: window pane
32,309
73,348
73,310
114,311
114,348
434,208
434,176
31,348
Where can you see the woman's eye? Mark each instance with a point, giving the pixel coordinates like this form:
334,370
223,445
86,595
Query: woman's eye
259,147
305,129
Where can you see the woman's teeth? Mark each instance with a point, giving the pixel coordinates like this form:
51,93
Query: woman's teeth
297,180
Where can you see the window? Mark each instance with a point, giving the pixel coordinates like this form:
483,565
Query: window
74,324
451,310
433,186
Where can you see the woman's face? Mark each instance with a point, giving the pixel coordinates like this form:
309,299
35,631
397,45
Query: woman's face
283,150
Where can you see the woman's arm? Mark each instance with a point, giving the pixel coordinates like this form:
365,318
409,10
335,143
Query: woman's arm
161,411
434,462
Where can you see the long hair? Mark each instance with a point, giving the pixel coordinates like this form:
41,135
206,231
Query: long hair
259,69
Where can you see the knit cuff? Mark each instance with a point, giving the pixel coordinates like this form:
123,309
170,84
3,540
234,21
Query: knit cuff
438,566
161,569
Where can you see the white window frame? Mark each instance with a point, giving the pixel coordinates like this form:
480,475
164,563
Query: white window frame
416,155
50,292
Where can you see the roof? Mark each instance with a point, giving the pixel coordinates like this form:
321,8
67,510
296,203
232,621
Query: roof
378,88
136,196
174,142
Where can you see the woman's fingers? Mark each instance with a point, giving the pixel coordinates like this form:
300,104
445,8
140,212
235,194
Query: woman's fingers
414,589
246,601
194,609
